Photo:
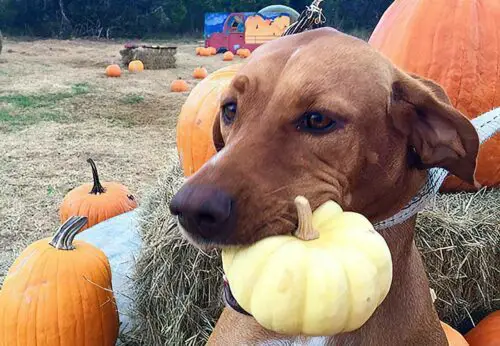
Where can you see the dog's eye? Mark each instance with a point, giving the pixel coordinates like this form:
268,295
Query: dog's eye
229,112
316,122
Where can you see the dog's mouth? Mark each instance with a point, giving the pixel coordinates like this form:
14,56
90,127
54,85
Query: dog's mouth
230,300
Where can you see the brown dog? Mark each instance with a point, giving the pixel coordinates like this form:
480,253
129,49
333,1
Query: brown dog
323,115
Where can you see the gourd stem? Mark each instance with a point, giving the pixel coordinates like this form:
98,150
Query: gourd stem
97,188
305,230
63,239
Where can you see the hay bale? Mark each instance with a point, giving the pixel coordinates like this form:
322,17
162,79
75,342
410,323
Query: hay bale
459,238
152,58
178,287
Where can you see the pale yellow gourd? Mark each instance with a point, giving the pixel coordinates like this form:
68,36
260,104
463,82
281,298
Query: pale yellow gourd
326,279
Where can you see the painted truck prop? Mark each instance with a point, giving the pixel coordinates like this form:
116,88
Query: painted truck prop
231,31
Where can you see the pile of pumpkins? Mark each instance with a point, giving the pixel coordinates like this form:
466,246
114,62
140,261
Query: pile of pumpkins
226,56
58,291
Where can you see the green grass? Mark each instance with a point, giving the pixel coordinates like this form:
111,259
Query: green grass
132,99
28,109
44,100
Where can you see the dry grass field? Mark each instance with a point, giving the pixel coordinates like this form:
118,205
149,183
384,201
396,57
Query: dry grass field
57,108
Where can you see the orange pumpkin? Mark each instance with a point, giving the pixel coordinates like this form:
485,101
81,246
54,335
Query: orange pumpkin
238,51
456,44
113,71
136,66
198,50
212,50
58,292
179,85
96,201
228,56
200,72
487,332
194,126
454,337
205,52
243,53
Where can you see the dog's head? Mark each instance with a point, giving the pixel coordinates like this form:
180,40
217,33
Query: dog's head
323,115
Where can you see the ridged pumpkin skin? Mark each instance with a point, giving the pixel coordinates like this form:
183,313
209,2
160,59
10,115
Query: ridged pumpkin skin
457,44
325,286
195,124
487,332
98,202
56,297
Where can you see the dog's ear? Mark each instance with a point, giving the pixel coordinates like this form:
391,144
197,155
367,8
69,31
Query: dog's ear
217,134
439,133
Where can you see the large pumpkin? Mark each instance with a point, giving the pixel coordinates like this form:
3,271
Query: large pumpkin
97,201
327,279
457,44
58,293
194,126
487,332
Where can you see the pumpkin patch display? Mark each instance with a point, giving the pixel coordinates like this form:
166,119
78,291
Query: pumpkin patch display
228,56
455,44
487,331
195,123
327,278
113,71
97,201
58,293
135,66
200,72
179,85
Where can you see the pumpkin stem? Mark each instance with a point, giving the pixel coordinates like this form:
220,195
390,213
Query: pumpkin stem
97,188
63,239
305,230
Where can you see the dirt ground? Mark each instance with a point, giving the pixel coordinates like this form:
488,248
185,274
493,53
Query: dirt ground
57,108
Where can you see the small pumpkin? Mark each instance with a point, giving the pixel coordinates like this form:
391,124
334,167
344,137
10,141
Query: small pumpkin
327,279
179,85
205,52
228,56
113,71
238,51
454,338
200,73
244,53
96,201
135,66
58,292
198,50
487,331
212,50
195,123
457,45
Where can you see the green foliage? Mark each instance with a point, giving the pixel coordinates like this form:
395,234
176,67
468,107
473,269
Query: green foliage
20,110
132,99
139,18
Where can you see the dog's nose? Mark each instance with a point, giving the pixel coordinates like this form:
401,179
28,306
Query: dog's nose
204,211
